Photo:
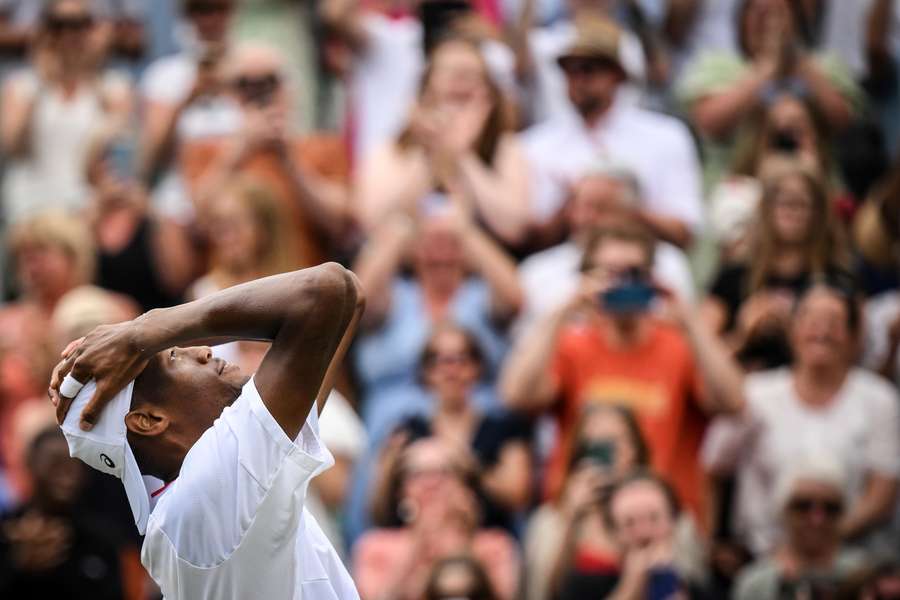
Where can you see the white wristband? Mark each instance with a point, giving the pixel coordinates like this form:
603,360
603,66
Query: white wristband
70,387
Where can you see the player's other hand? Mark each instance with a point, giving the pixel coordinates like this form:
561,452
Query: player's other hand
110,355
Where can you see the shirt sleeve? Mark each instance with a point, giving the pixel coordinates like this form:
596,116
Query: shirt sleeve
883,448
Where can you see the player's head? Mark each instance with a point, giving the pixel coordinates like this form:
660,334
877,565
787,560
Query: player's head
176,398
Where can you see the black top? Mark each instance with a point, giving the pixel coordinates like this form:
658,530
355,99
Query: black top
492,433
732,286
90,567
133,270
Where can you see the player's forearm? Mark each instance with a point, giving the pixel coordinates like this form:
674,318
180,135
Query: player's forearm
256,310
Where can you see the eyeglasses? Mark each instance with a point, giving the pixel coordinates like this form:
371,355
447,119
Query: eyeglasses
586,66
448,360
75,24
804,506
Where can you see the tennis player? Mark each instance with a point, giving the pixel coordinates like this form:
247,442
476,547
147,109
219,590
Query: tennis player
232,455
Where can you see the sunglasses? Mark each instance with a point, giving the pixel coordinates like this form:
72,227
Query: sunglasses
586,66
59,24
448,360
805,506
207,8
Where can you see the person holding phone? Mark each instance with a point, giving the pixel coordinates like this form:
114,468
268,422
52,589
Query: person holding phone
609,346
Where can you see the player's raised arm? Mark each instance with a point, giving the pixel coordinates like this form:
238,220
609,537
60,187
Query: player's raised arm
309,315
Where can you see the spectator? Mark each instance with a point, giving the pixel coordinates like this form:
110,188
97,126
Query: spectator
882,582
433,487
459,577
459,275
721,88
48,548
810,560
608,449
539,47
604,196
246,234
51,254
142,252
182,100
794,239
54,109
390,41
306,174
457,144
641,513
451,365
604,127
821,401
605,347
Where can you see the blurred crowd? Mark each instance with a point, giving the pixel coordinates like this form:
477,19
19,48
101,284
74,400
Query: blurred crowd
632,269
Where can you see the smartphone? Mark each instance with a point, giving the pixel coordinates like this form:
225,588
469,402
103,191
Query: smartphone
600,453
662,583
437,16
784,140
630,296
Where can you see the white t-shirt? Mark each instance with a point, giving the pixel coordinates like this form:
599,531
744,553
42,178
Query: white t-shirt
657,148
386,78
880,311
550,278
860,427
234,525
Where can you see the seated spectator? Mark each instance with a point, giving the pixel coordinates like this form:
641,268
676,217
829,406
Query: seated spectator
720,89
389,42
881,582
458,275
608,449
433,489
604,196
53,109
306,174
49,548
457,147
602,125
452,363
810,560
459,577
821,401
641,513
606,347
793,241
246,241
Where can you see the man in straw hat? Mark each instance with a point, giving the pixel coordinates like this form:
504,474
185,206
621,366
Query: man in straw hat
232,455
603,125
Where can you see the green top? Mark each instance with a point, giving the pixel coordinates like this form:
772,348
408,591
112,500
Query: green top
762,579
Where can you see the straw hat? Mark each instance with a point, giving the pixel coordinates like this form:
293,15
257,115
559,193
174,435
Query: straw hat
595,37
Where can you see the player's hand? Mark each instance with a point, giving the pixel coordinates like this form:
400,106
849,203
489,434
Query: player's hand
110,355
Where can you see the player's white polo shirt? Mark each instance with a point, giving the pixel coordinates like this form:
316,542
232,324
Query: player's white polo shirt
233,526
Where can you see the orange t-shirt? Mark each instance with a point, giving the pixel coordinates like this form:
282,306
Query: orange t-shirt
323,155
657,380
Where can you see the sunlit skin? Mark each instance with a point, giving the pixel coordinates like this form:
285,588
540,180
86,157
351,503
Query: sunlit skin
238,242
608,426
45,272
212,26
593,93
453,371
69,43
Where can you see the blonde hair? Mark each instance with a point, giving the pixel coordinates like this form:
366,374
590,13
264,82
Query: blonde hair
68,233
274,254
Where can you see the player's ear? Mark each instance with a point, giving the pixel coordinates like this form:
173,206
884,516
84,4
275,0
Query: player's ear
147,421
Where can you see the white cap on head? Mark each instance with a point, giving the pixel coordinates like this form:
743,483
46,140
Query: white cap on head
105,447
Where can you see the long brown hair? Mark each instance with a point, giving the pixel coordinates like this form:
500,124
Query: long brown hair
499,120
825,247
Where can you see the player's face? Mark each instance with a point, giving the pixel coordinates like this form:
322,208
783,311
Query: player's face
198,386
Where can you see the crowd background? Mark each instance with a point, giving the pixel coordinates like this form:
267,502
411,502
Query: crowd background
632,268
